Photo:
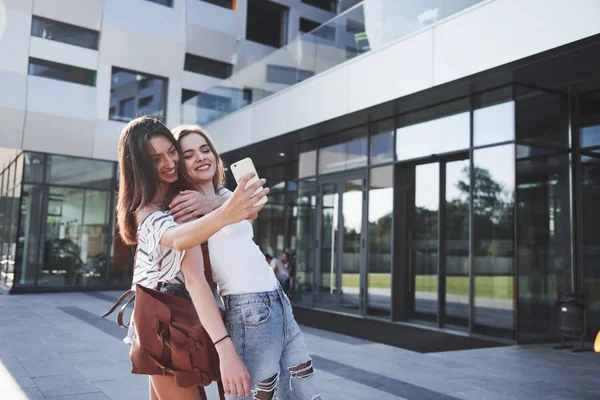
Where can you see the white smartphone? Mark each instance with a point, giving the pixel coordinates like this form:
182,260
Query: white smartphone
244,167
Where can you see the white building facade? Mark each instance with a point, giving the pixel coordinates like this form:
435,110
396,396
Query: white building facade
72,73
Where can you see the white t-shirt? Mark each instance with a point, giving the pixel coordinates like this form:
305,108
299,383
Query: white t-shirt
237,263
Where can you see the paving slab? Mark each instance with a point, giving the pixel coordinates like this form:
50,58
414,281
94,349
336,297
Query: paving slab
54,346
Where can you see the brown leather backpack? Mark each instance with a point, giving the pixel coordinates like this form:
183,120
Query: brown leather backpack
169,337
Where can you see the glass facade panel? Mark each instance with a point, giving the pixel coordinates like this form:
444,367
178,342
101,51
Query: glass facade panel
493,247
457,243
64,236
542,118
326,295
590,243
64,263
79,172
381,207
307,164
95,238
305,213
543,242
35,165
443,135
382,142
128,88
61,72
29,240
351,238
343,156
494,124
271,220
206,66
423,242
66,33
590,120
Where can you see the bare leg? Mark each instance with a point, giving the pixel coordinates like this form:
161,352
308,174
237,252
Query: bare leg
166,389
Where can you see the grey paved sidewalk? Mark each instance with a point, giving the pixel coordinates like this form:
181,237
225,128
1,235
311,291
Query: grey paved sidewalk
54,346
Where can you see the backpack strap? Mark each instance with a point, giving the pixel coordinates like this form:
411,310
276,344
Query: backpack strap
207,267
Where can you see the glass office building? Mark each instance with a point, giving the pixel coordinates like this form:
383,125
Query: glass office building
474,214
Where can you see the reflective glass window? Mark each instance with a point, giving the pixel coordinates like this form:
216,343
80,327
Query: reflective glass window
130,92
61,72
35,166
308,164
62,32
73,171
382,142
206,66
494,124
381,207
493,222
343,156
433,137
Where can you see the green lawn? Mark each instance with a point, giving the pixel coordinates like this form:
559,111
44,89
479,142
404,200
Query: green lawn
492,287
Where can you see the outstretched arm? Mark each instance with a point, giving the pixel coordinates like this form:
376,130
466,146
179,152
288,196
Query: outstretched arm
234,374
238,207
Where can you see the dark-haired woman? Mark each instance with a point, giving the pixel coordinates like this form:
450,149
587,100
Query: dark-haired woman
168,252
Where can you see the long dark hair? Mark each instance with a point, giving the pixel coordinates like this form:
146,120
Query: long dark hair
138,177
182,131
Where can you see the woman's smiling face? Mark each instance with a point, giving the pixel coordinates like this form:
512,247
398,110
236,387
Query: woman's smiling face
200,161
164,158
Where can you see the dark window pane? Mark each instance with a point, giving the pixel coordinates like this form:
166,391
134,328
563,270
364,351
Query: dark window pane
135,94
168,3
206,66
590,120
286,75
221,3
590,201
307,25
266,23
66,33
29,244
187,94
79,172
35,166
61,72
325,31
382,141
542,118
381,206
493,220
306,245
544,242
145,101
327,5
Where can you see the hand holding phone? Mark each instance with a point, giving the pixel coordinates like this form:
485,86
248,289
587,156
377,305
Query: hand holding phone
243,167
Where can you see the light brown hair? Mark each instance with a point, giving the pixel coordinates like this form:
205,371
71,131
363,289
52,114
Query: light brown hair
182,131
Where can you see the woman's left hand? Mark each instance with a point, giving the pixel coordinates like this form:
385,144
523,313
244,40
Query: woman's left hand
189,205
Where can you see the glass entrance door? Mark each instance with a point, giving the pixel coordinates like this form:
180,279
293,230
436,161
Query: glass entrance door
437,241
340,273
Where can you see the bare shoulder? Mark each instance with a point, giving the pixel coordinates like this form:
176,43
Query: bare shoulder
143,212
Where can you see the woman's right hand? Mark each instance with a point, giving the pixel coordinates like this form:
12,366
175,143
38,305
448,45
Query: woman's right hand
234,373
240,205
